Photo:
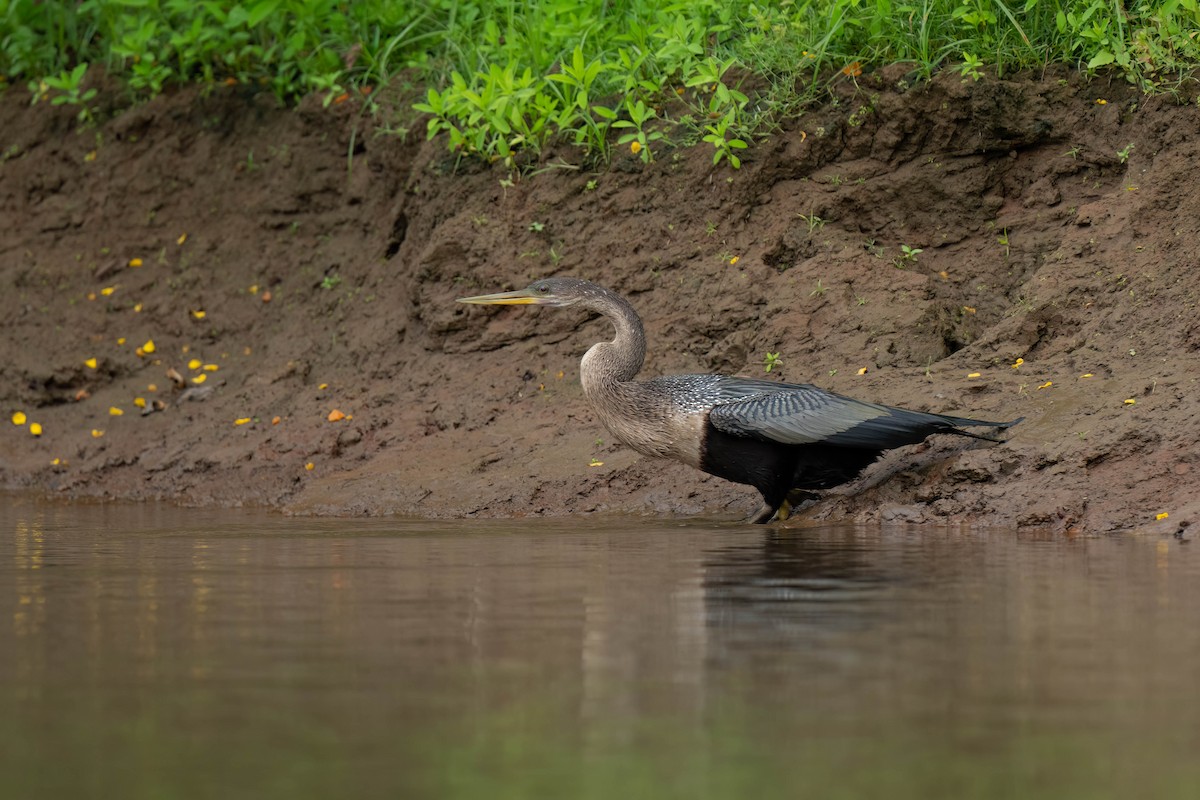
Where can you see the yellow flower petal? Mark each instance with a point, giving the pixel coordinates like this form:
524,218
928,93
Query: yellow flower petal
1046,385
1130,402
137,309
56,461
121,340
969,309
182,238
107,290
113,411
973,375
201,378
195,363
35,429
253,289
211,367
1087,375
1018,363
635,147
140,402
90,362
275,420
97,434
148,347
309,466
595,463
1163,515
323,386
862,371
135,262
241,421
199,314
151,388
335,415
18,418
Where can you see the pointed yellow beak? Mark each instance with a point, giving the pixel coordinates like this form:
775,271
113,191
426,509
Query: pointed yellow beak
521,297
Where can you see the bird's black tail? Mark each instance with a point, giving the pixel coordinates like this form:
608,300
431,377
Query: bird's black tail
958,423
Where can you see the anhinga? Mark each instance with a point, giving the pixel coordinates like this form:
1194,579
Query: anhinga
776,437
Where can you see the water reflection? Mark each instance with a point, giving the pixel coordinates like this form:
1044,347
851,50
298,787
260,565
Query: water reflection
312,657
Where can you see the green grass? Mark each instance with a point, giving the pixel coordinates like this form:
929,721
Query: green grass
502,80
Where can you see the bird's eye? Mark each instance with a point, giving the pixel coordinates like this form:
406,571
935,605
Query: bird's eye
543,289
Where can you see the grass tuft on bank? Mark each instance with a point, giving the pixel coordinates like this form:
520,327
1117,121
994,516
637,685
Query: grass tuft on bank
503,80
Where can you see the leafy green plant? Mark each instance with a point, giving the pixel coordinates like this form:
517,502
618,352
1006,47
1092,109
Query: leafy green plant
719,137
771,361
908,255
639,137
69,86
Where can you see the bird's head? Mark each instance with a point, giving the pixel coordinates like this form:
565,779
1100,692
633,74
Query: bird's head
545,292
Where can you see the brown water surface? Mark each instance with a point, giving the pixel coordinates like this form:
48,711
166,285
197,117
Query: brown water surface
157,652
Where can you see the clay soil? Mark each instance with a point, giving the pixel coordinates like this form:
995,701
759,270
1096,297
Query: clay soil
1058,220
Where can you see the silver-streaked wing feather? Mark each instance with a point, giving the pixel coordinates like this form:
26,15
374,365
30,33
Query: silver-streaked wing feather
798,414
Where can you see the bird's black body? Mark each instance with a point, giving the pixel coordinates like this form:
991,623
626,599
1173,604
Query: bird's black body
776,437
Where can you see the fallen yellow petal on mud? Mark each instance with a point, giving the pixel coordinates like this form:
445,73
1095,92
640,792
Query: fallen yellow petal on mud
137,309
973,374
140,402
1087,375
195,363
108,290
1046,385
309,466
241,421
182,238
335,415
199,314
121,340
1018,363
1163,515
18,418
113,411
90,363
135,262
1130,402
323,386
595,463
862,371
201,378
96,434
211,367
148,347
35,428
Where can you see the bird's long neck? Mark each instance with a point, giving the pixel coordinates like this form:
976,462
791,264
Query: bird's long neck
610,363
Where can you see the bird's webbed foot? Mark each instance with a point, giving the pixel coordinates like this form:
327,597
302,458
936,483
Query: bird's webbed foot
780,513
765,514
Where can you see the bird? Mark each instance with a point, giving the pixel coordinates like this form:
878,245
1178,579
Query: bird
784,439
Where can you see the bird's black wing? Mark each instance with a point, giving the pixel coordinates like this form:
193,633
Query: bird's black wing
805,414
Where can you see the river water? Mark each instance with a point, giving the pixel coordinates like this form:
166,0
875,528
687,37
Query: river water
159,652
